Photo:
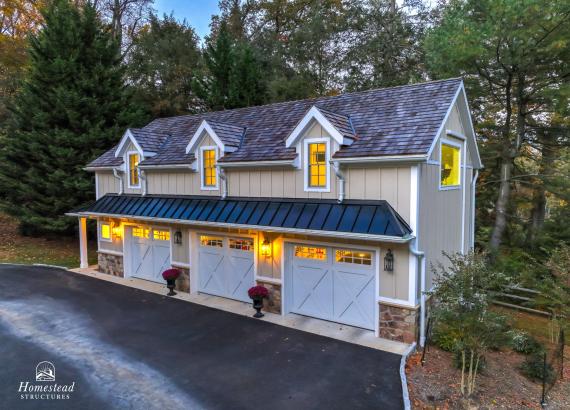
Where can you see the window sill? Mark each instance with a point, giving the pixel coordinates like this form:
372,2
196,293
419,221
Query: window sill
449,188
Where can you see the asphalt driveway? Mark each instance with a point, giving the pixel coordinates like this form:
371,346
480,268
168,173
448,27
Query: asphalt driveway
119,347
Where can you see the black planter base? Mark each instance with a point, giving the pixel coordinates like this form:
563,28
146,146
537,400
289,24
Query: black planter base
171,284
257,305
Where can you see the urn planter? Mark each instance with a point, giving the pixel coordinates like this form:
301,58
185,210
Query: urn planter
257,294
170,276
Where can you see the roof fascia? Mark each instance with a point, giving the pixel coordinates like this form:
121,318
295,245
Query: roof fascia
315,114
249,164
196,138
128,136
379,159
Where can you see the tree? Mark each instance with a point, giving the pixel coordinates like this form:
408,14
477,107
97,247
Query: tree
514,54
70,109
162,64
464,290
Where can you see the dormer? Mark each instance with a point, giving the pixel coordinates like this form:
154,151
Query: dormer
136,145
209,143
318,135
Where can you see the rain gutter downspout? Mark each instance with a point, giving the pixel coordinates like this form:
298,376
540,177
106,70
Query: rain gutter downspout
224,190
116,175
420,257
340,176
142,175
473,189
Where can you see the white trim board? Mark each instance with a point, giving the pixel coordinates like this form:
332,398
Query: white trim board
201,166
306,143
314,114
197,137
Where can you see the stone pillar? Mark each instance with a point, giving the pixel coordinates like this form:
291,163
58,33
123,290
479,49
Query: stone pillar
83,257
399,323
273,302
183,281
110,264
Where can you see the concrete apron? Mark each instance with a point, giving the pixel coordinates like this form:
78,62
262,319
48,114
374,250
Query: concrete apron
333,330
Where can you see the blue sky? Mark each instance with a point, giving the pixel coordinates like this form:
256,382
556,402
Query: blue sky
196,12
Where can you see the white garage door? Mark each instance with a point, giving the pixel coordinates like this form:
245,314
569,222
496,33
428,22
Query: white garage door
225,266
335,284
149,252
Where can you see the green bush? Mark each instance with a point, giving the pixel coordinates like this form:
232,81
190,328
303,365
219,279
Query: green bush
458,363
533,368
521,342
445,338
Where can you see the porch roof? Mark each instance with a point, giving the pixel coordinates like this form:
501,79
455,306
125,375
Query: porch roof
352,218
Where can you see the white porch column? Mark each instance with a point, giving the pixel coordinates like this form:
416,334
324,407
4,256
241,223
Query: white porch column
83,242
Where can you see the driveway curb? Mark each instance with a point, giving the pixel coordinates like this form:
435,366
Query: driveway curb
405,393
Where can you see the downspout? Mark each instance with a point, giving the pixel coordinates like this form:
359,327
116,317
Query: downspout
116,175
142,175
223,178
340,176
473,189
420,258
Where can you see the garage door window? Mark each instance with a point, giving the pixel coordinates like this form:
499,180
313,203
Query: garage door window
161,235
241,244
140,232
211,241
311,252
353,256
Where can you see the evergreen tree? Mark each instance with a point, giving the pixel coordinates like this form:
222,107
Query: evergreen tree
163,61
246,86
71,108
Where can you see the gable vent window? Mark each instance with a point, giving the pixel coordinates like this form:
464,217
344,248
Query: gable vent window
134,160
317,165
450,165
209,168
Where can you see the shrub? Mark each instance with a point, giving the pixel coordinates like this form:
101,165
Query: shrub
445,338
533,368
521,342
458,361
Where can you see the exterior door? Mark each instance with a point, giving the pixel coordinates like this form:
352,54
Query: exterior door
330,283
149,252
225,266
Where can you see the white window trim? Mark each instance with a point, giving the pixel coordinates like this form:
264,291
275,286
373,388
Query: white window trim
128,167
200,161
306,143
456,145
110,239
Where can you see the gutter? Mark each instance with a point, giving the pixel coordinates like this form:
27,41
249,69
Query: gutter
421,268
386,158
247,164
332,234
341,180
142,176
473,190
116,175
172,166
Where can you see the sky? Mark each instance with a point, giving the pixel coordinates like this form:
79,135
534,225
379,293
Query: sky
196,12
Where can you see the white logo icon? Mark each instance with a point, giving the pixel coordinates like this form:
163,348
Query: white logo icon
45,372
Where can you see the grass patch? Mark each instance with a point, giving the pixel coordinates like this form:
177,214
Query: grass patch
15,248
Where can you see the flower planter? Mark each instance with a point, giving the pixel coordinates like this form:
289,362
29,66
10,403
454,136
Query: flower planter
257,305
170,276
257,294
171,284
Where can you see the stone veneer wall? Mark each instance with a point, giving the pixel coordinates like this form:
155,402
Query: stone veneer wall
273,302
110,264
399,323
183,281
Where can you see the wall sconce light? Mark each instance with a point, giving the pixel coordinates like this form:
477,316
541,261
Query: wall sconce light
389,261
178,238
266,248
117,231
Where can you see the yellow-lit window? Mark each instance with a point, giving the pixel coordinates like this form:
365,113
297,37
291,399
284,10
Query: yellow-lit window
211,241
356,257
140,232
317,165
311,252
241,244
106,232
134,160
450,165
160,235
209,167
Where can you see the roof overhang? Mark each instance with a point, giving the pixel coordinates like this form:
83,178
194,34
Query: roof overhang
249,164
380,159
98,169
168,166
129,137
314,114
197,137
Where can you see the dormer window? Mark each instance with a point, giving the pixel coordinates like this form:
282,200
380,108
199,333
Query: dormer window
450,165
317,153
208,157
133,160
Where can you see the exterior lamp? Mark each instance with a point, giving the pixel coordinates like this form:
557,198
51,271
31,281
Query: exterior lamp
266,248
117,231
389,261
178,238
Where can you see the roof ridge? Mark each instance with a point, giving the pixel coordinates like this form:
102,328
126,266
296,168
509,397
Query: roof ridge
315,99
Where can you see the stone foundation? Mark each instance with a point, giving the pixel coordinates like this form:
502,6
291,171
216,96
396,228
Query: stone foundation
110,264
399,323
273,302
183,281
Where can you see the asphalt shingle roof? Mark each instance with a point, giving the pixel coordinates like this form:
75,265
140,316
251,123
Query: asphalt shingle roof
229,134
392,121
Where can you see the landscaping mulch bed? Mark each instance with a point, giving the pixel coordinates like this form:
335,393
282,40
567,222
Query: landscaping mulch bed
501,385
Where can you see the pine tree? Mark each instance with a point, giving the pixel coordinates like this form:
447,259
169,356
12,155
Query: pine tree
70,109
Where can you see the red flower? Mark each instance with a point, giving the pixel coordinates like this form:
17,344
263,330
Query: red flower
171,274
258,292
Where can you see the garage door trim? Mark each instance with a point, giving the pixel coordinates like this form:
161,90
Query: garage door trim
290,242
